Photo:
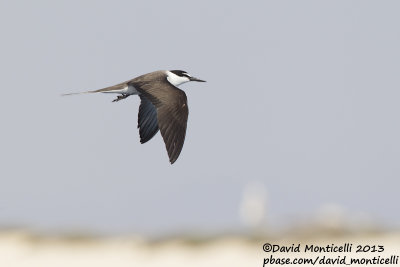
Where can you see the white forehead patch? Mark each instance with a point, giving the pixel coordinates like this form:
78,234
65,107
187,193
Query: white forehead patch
176,80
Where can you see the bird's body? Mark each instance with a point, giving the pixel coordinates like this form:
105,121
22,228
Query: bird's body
163,106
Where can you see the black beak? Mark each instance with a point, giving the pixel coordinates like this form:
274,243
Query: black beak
196,80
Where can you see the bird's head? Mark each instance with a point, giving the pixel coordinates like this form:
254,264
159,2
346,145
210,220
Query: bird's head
178,77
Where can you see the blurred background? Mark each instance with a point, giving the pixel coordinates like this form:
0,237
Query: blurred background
294,133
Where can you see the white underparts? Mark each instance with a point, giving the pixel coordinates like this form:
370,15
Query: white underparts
176,80
128,90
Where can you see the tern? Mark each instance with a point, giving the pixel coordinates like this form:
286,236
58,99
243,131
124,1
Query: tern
163,106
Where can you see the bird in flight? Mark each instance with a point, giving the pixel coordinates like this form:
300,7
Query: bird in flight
163,106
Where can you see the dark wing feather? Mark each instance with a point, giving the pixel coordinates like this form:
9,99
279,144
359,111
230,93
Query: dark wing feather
172,112
147,120
172,121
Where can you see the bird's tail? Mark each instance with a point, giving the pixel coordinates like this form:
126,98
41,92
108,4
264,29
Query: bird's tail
79,93
118,89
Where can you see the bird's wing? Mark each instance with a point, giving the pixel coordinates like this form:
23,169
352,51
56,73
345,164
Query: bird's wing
147,120
172,113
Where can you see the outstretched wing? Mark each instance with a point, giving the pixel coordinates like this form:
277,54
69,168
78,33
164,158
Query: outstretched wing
172,121
172,113
147,120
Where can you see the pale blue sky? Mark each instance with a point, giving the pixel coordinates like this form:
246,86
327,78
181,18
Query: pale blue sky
301,96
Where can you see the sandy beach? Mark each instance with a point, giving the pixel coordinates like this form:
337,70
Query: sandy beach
23,249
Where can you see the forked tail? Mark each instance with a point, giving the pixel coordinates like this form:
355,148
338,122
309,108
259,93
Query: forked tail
79,93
